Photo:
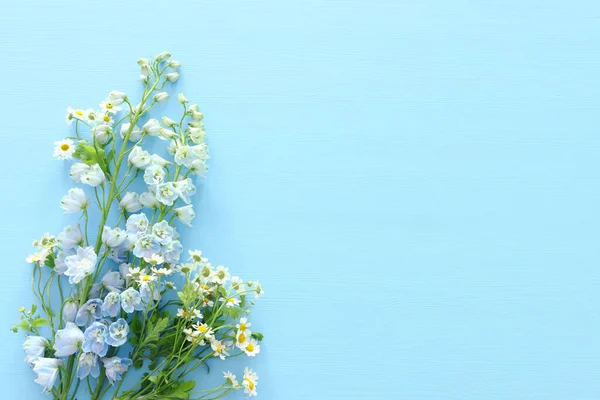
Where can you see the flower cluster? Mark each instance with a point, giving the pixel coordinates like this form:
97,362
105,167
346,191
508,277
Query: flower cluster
120,307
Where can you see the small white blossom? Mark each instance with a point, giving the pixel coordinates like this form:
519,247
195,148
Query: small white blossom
64,149
139,158
185,214
117,98
172,77
148,199
160,97
94,176
151,128
250,382
130,202
164,56
134,136
74,201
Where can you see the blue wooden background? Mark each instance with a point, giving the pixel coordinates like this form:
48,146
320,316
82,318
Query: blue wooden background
415,183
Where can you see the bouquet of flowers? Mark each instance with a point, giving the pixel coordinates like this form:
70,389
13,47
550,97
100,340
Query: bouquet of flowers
109,303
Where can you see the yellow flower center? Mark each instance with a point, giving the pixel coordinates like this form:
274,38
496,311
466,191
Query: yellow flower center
250,348
231,300
64,147
250,383
205,287
242,327
202,329
79,112
106,118
109,106
241,338
145,278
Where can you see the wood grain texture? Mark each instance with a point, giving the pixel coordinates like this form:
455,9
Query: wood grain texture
414,183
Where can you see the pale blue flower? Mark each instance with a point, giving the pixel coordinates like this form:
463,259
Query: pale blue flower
88,365
59,263
117,333
166,193
95,339
138,224
46,370
115,367
149,290
70,237
146,246
172,252
186,189
34,347
163,232
130,202
113,237
89,312
112,305
154,175
111,282
74,201
185,214
69,311
68,340
131,300
80,265
118,254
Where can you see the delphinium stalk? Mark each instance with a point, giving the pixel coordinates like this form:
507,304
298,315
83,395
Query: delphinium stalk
115,310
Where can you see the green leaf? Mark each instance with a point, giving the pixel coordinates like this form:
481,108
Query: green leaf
258,336
39,322
50,260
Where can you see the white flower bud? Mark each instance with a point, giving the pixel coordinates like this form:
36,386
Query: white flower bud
166,134
143,61
172,76
149,200
193,107
164,56
69,311
130,202
182,99
134,136
74,201
77,171
102,133
116,98
145,71
174,64
152,127
94,176
168,122
185,214
139,157
160,97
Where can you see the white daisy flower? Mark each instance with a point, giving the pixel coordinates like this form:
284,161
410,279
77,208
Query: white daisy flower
231,379
64,149
251,348
250,382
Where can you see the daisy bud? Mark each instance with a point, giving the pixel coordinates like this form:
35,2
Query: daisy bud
172,76
168,122
160,97
182,99
185,214
164,56
174,64
130,202
116,98
74,201
69,311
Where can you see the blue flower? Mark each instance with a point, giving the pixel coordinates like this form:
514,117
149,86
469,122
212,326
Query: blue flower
172,252
138,224
89,312
95,339
88,365
163,232
117,333
69,310
115,366
111,305
111,281
131,300
146,246
68,340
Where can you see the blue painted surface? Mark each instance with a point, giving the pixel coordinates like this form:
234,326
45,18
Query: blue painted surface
414,183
